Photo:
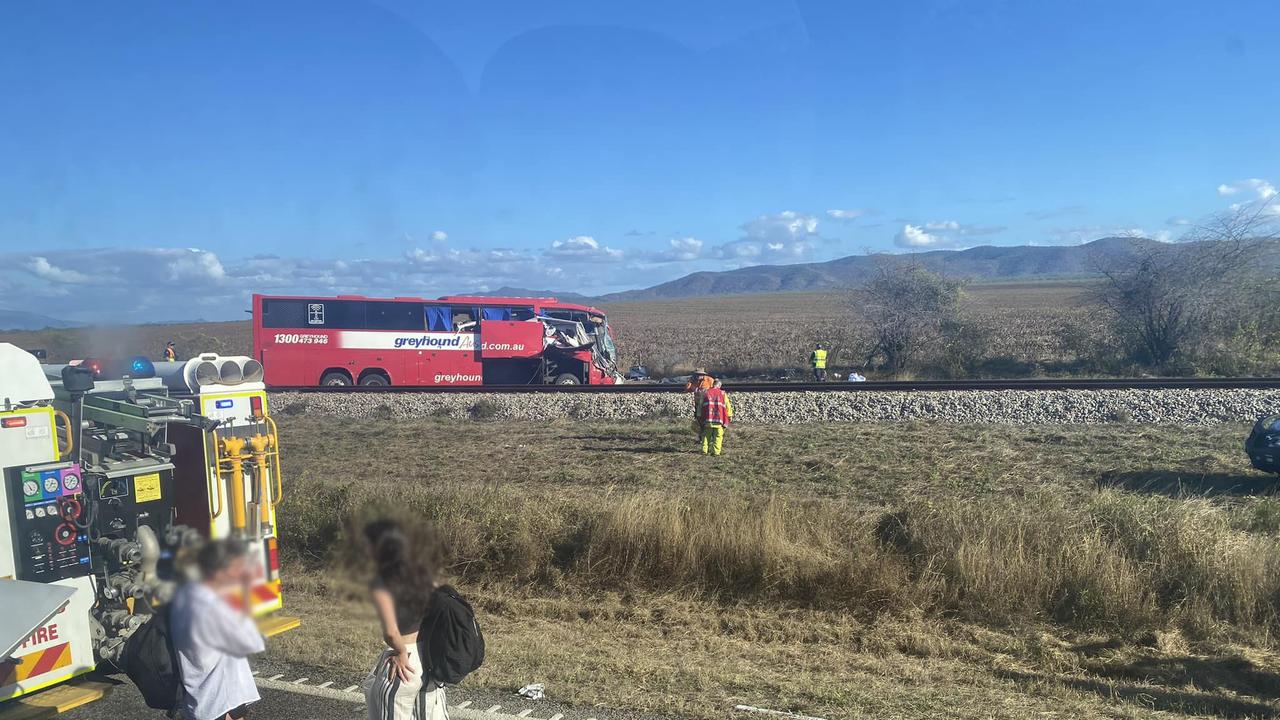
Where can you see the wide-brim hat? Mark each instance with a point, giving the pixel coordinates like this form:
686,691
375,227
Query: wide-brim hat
700,371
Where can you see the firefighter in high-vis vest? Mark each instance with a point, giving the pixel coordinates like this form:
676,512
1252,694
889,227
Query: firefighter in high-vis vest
699,382
170,353
715,412
819,362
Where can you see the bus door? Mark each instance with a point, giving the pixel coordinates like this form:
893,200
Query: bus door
450,354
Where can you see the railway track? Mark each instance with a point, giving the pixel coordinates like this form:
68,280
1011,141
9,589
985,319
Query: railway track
876,386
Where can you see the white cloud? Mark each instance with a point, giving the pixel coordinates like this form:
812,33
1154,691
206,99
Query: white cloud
787,235
43,269
786,226
439,235
915,236
583,248
196,265
940,233
153,267
1262,188
1178,221
684,249
850,214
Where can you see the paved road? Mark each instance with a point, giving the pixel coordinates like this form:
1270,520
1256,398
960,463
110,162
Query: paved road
285,699
126,704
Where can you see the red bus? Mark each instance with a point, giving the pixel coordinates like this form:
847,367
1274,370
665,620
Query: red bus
455,340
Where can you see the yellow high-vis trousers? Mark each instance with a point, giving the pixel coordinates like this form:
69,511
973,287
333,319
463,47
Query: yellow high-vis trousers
712,438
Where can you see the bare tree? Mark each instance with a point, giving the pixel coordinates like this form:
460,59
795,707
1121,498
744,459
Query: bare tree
1168,300
905,307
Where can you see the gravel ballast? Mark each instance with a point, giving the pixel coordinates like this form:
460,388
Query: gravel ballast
1004,407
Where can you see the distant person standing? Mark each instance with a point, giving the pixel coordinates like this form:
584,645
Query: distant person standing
818,359
715,412
213,640
170,353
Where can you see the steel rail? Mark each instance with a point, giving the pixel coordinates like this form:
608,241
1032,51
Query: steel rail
1040,384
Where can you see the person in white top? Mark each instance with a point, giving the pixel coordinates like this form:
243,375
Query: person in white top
212,639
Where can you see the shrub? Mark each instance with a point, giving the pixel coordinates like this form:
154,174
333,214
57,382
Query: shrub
484,409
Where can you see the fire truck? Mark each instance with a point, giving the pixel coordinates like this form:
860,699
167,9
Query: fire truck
113,472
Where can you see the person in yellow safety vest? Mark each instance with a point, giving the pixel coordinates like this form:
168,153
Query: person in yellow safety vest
699,382
170,354
715,412
819,362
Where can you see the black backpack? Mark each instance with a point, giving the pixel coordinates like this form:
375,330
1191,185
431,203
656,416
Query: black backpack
151,663
450,640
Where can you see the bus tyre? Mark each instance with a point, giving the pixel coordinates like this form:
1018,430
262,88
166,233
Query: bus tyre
566,379
374,379
335,379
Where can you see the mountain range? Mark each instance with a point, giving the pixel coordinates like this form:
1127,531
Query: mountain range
987,262
23,320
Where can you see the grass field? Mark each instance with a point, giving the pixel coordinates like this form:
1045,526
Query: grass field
907,570
1011,329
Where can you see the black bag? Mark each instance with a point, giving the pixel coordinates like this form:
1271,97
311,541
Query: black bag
450,641
151,663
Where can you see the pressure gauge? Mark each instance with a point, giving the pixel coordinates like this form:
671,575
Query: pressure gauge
30,487
71,482
51,484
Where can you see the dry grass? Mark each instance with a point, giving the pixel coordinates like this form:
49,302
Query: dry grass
669,654
884,571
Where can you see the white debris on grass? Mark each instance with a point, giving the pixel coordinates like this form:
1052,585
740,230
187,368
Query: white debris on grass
533,691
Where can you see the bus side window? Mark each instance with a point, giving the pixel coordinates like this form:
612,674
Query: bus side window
464,317
393,315
439,318
284,314
522,313
344,315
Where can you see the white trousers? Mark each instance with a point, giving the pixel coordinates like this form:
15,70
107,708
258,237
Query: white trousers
389,698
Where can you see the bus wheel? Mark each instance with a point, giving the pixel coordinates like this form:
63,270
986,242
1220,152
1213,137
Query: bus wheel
335,379
566,379
374,379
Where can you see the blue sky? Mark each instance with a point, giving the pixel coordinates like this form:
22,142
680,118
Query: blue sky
167,159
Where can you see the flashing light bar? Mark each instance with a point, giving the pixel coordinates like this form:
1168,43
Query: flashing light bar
138,366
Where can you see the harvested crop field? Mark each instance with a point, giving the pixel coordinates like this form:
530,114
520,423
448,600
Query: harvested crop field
1010,329
878,570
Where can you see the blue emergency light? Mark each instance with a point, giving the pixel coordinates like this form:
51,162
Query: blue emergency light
141,367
